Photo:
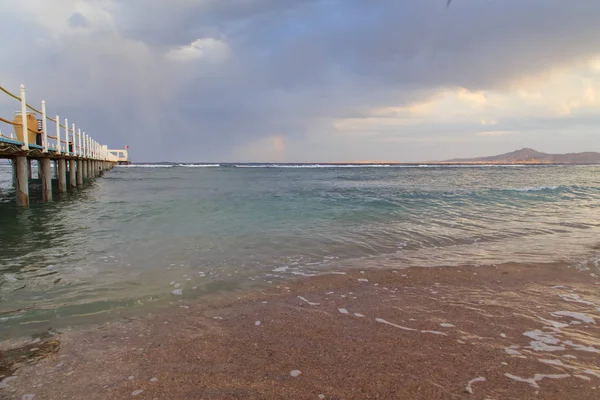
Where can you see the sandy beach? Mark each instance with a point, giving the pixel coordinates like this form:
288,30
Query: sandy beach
498,332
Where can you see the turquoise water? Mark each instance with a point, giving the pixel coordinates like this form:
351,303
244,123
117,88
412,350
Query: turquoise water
133,237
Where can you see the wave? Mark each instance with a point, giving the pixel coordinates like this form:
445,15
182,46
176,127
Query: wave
145,166
474,166
168,165
487,165
313,165
533,188
198,165
382,165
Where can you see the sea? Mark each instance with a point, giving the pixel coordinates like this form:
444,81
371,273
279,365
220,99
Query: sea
148,236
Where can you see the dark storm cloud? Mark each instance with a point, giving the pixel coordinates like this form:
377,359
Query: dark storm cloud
291,66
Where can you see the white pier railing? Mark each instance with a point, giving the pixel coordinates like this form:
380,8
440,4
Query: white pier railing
79,157
61,139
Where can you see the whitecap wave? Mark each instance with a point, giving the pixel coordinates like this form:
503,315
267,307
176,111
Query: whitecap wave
382,165
145,166
484,165
313,165
198,165
534,188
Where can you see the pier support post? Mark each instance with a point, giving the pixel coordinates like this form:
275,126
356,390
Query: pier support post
79,173
14,173
29,170
62,175
45,174
84,169
72,172
20,164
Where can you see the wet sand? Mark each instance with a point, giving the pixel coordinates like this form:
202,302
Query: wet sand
497,332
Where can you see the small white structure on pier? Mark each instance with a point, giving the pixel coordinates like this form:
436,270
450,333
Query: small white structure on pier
122,156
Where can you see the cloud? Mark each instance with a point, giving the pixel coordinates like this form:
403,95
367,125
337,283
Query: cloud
205,48
205,79
77,20
496,133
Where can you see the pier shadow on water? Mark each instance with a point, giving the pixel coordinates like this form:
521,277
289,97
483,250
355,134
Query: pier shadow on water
34,241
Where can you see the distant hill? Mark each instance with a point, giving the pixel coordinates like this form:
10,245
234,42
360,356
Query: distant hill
531,156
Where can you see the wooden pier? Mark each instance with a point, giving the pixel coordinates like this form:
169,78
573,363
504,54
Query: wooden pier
77,156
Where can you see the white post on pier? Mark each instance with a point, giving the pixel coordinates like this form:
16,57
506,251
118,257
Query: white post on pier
83,140
67,150
58,135
79,152
84,163
44,128
24,119
74,141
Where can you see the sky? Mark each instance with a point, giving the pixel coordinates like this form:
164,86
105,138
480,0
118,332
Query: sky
311,80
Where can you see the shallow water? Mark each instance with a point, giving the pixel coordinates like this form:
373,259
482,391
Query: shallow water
130,238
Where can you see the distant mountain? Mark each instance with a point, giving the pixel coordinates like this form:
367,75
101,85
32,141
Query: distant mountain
531,156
